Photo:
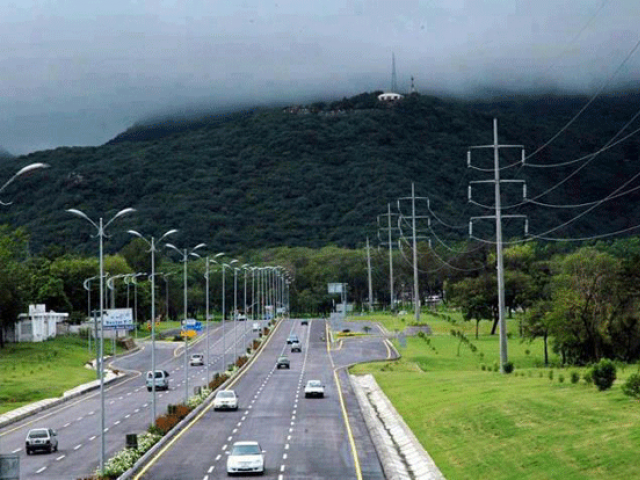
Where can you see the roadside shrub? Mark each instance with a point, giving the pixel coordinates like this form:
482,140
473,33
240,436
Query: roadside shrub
550,374
483,367
604,374
496,367
575,377
508,367
588,377
561,378
632,386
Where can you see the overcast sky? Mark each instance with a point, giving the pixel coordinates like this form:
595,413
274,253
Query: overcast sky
78,72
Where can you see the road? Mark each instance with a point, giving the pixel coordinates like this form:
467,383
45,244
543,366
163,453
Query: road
303,438
127,407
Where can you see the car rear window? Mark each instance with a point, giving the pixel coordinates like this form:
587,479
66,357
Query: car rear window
246,450
38,434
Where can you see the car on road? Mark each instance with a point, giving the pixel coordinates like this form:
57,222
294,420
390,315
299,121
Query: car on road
314,388
245,457
293,338
283,362
256,326
296,347
225,400
196,359
41,439
304,321
161,380
242,317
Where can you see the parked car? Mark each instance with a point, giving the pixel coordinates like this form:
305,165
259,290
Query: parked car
283,362
242,317
225,400
245,457
304,321
296,347
161,380
196,359
293,338
314,388
41,439
256,326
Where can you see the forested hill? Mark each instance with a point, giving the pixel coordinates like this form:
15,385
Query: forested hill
322,173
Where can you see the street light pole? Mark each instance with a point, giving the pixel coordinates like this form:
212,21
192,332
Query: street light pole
152,248
185,258
101,228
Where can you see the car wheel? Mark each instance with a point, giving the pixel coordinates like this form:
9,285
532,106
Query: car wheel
50,448
55,449
28,452
148,389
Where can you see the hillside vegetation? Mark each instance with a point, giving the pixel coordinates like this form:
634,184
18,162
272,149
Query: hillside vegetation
321,174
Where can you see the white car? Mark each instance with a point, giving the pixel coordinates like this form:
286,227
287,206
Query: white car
245,457
41,439
314,388
225,400
256,327
196,359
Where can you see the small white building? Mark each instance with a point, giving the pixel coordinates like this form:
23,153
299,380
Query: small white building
390,97
37,325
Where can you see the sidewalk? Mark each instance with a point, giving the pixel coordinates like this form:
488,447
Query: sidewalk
18,414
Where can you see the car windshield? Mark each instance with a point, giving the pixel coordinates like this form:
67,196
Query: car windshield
38,434
246,450
283,358
314,383
226,395
158,374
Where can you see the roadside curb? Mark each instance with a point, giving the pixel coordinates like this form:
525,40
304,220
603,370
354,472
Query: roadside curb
401,454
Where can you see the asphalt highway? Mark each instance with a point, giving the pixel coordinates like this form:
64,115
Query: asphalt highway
303,438
127,406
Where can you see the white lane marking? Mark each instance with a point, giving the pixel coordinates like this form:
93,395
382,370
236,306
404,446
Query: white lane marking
116,422
121,398
145,405
224,447
136,410
66,425
92,438
291,430
282,468
112,402
235,430
127,415
286,446
280,477
218,457
41,470
288,437
16,450
229,439
78,419
243,417
206,477
293,417
60,458
210,468
77,446
91,413
129,393
284,456
106,429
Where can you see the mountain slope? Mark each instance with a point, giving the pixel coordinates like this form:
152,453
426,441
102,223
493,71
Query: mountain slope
318,175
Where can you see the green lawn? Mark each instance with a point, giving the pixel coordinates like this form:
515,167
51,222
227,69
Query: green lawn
34,371
484,425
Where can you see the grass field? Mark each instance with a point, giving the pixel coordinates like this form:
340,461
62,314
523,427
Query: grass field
484,425
34,371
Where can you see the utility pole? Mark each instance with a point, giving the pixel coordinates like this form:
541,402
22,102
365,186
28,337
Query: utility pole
414,236
389,242
498,219
369,277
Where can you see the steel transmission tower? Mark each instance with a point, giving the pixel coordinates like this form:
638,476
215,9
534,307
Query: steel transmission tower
498,219
389,229
394,79
414,237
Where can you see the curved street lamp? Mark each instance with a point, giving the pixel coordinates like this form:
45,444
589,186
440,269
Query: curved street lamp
152,248
101,234
22,171
185,258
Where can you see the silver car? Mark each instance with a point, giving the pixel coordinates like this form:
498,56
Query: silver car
41,439
225,400
245,457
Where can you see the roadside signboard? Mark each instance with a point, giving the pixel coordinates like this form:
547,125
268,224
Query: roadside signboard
188,333
117,318
191,324
334,288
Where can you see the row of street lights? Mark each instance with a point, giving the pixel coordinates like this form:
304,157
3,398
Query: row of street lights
268,286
